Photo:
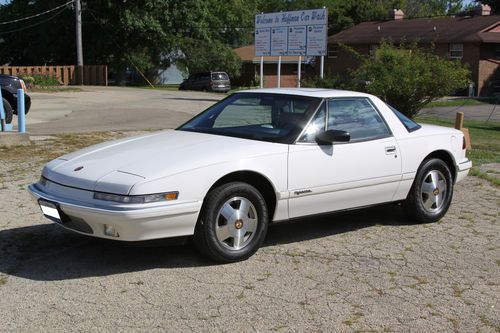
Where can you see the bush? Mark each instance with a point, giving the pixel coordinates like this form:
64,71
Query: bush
37,79
408,77
329,82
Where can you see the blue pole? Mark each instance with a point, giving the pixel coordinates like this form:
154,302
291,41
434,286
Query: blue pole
21,124
2,113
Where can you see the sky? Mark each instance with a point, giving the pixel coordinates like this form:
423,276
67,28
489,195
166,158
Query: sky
7,1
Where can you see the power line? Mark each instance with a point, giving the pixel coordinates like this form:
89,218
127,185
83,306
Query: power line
32,25
36,15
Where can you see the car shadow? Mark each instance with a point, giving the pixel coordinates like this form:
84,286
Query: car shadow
49,253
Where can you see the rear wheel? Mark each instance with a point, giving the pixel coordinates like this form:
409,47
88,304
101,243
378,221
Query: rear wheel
8,111
431,193
232,224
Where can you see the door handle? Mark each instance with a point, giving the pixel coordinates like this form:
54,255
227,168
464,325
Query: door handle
390,150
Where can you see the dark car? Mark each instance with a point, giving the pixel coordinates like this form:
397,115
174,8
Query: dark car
9,85
207,81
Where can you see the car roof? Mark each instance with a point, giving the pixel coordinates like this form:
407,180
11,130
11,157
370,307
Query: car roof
310,92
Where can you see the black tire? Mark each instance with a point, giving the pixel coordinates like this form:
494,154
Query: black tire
8,111
212,220
426,202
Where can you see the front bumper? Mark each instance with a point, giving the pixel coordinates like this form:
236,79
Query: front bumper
135,224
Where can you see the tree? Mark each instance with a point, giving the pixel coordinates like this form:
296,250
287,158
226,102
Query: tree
408,78
140,33
202,56
494,4
429,8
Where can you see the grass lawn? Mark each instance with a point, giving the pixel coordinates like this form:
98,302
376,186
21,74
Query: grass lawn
169,87
55,89
456,102
485,137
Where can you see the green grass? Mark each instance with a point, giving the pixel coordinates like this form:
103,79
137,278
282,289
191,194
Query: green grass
55,89
456,102
169,87
485,138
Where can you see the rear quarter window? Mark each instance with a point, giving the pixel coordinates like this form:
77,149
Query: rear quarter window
409,124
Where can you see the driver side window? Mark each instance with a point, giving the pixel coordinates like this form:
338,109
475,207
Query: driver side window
358,117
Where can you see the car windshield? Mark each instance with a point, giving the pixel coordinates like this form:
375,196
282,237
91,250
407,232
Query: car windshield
257,116
219,76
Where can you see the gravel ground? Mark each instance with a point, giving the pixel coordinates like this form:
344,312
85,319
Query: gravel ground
369,270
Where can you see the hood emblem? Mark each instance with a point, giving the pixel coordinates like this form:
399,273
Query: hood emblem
78,168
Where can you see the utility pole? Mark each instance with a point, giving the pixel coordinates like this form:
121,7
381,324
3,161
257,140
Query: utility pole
79,48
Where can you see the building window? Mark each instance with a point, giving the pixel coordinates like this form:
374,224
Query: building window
333,50
456,51
373,49
497,50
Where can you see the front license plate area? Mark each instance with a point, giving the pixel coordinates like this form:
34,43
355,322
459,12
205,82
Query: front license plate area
50,210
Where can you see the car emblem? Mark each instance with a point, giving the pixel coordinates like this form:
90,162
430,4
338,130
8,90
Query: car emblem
78,168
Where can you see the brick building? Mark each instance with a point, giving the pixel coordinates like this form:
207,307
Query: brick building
474,40
289,69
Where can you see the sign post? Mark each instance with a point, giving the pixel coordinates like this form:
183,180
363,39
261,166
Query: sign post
262,71
279,71
298,72
297,33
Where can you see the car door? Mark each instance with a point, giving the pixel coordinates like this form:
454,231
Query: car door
364,171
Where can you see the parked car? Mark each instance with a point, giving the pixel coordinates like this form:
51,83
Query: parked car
9,85
208,81
254,158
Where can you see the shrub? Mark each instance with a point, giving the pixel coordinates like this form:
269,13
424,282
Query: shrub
408,77
38,79
328,81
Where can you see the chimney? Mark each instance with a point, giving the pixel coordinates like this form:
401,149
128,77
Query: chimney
482,10
397,14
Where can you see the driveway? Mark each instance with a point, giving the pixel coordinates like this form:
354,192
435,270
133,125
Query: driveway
370,270
481,112
97,109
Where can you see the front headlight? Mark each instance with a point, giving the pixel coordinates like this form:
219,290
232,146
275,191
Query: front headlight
134,199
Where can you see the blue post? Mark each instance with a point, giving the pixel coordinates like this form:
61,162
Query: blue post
21,124
2,113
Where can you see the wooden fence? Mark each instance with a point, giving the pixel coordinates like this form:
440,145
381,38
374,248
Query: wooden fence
93,75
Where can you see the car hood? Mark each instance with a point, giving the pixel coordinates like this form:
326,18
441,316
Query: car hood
116,166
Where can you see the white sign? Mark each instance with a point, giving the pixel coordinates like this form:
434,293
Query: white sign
263,41
302,32
316,40
297,40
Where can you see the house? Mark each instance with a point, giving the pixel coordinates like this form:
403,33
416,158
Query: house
289,68
474,40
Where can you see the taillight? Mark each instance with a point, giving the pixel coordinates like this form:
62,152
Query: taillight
23,85
464,145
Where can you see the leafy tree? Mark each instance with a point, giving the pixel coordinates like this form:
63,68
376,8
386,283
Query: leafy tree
408,78
427,8
202,56
140,33
494,4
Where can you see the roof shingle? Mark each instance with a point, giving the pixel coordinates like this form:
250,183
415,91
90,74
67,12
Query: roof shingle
424,30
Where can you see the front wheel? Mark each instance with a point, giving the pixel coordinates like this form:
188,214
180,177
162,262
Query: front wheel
431,193
232,224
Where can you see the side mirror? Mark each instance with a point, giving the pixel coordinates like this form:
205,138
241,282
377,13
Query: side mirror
331,136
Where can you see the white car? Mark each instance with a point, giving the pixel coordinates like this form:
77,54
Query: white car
256,157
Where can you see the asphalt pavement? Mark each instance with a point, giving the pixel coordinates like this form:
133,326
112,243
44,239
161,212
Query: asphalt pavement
98,109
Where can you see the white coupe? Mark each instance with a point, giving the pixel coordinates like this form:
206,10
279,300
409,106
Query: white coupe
256,157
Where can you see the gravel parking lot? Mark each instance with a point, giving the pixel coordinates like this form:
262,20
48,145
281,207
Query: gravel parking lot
370,270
